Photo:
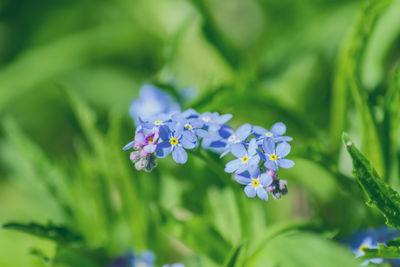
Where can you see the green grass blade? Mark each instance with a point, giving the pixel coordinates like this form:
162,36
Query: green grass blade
59,234
348,77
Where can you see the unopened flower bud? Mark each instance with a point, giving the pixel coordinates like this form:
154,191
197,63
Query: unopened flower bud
134,156
141,164
272,173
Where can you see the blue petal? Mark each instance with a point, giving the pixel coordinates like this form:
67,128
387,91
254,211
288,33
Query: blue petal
189,136
285,163
252,147
262,156
265,179
269,146
278,128
242,179
196,123
254,160
225,131
164,132
259,130
238,150
129,145
163,149
283,139
177,130
223,118
190,113
188,144
242,168
282,150
269,164
217,144
254,171
250,191
261,193
202,133
233,165
243,131
179,155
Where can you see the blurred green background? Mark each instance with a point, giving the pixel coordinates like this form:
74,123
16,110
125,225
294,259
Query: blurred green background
69,70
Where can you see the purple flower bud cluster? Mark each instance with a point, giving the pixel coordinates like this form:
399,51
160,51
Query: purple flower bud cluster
259,152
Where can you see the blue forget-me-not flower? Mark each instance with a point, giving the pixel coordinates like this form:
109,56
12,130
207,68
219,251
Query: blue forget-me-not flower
169,131
152,101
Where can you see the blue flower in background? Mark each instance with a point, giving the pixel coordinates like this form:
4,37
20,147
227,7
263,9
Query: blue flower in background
152,101
245,158
370,239
255,182
145,259
175,141
126,260
276,133
174,265
275,157
235,137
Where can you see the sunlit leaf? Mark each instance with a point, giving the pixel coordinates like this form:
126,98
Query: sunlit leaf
380,194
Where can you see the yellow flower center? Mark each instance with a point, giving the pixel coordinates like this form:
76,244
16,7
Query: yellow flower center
273,157
173,141
245,159
255,182
151,139
232,138
237,141
188,126
158,122
363,247
269,134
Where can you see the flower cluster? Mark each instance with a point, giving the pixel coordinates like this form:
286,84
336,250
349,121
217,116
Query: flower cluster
259,152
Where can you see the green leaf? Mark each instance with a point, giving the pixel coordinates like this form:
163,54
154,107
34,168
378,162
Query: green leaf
59,234
302,249
348,78
80,257
234,259
40,254
381,252
393,243
379,193
273,233
198,235
215,36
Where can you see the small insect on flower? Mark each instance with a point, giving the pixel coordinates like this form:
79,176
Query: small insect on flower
274,158
245,158
255,182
